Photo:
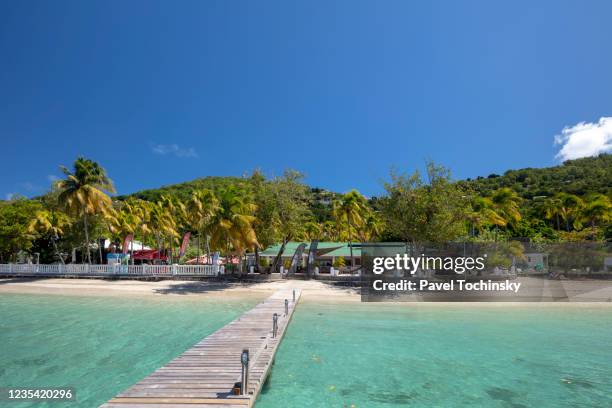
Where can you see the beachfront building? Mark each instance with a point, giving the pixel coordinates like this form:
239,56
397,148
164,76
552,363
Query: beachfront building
537,261
325,257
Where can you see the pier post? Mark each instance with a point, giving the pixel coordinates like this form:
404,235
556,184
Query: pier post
274,325
244,359
293,295
286,307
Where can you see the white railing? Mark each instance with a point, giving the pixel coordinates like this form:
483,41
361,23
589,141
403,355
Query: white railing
111,270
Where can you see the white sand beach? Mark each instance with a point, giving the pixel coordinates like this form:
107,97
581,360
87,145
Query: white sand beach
593,291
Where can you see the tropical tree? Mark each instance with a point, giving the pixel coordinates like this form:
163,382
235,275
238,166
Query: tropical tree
349,211
312,231
433,210
231,227
506,203
201,210
15,218
288,209
52,224
371,228
570,208
84,193
597,210
553,209
163,223
482,214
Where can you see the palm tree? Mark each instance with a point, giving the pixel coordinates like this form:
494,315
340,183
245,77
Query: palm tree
163,224
570,207
312,230
350,210
52,223
553,209
231,227
123,222
201,210
371,228
330,231
84,192
484,214
506,203
597,210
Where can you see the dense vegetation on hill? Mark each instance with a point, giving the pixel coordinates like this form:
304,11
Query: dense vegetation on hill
579,177
567,203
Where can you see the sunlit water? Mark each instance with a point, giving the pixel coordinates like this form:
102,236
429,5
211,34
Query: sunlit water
437,356
98,345
359,355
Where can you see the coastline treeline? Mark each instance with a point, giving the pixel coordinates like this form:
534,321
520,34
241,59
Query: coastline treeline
235,215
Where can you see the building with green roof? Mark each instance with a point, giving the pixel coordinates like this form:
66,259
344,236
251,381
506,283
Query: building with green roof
326,253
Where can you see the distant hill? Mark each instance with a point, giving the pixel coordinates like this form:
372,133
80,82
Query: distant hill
183,190
580,177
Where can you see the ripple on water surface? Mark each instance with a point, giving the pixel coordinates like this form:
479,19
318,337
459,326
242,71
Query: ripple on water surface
99,345
368,355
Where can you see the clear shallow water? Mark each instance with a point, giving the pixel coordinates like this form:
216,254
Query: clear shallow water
99,346
427,356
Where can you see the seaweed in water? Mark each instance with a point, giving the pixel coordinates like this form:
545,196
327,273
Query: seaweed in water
501,394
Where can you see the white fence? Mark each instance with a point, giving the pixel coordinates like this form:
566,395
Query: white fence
111,270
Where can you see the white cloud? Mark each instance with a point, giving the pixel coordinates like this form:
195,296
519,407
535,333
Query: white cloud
585,139
174,149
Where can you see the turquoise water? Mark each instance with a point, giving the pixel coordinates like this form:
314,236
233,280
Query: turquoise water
360,355
437,356
99,346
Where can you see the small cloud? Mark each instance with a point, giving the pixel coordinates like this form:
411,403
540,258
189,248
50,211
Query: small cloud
174,149
585,139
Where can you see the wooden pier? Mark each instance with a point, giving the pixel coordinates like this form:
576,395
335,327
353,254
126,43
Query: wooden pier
206,374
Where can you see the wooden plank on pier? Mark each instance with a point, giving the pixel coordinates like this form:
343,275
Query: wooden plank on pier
205,375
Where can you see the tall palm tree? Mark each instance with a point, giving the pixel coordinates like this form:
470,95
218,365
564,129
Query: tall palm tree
312,230
506,203
371,228
350,210
483,214
553,209
163,224
84,192
201,210
570,208
597,210
51,223
232,226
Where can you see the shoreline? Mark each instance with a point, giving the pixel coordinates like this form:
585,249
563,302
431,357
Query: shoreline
317,292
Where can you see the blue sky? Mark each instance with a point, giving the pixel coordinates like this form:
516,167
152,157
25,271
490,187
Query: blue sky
165,92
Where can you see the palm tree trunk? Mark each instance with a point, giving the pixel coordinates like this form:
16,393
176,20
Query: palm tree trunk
57,252
350,237
86,238
208,261
100,248
278,256
198,244
257,269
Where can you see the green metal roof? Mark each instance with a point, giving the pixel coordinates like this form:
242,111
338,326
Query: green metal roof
324,248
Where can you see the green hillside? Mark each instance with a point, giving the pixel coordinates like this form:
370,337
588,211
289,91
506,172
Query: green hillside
183,190
580,177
